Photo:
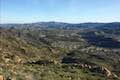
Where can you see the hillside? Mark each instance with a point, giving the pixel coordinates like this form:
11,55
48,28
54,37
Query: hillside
60,51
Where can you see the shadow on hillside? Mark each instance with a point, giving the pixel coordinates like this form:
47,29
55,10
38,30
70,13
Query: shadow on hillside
101,41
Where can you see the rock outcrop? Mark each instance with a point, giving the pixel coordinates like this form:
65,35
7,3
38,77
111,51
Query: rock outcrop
1,77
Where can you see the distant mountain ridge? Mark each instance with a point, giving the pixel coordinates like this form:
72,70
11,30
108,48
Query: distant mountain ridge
62,25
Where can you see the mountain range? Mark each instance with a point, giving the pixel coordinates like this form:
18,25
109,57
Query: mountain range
60,51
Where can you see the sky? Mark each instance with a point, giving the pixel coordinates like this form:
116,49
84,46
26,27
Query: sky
72,11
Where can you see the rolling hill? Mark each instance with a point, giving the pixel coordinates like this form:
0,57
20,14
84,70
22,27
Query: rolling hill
60,51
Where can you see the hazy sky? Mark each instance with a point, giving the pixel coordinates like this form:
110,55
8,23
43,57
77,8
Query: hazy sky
75,11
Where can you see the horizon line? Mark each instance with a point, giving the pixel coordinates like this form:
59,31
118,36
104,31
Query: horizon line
61,22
